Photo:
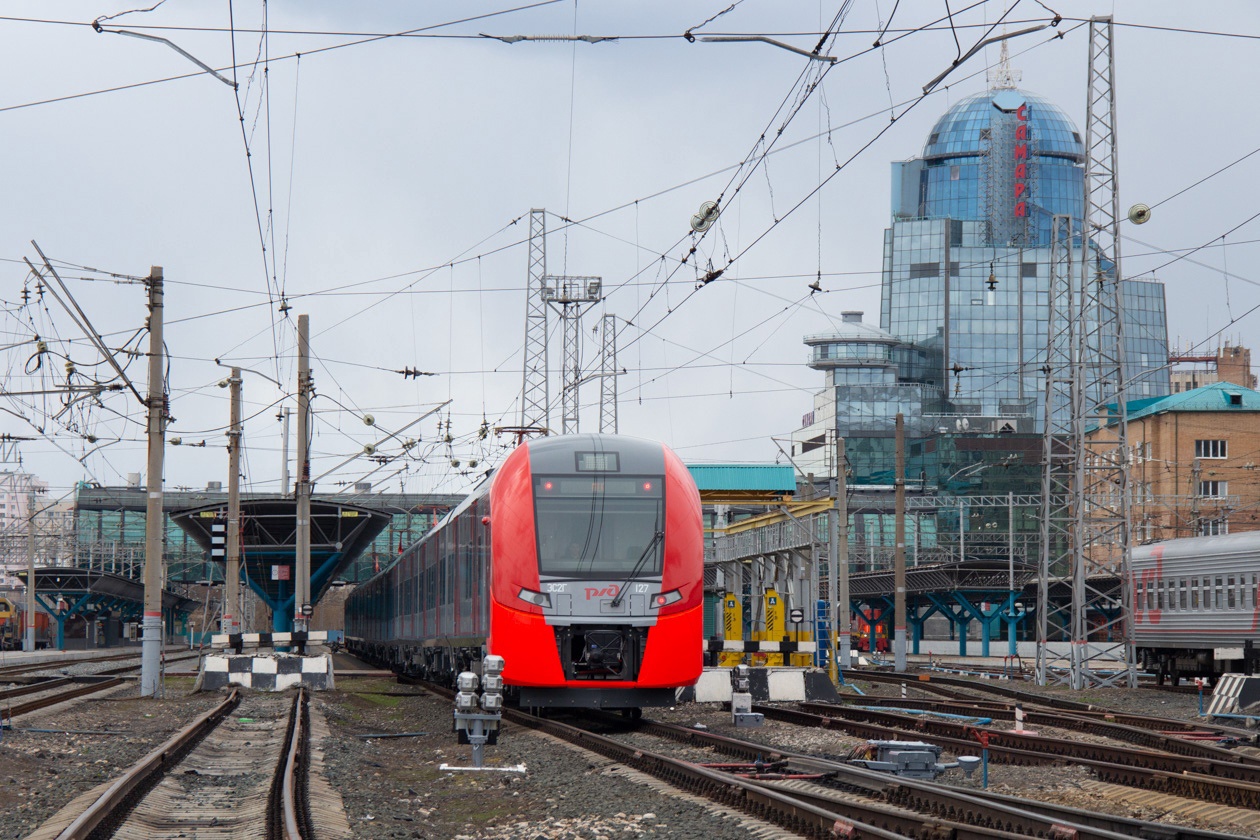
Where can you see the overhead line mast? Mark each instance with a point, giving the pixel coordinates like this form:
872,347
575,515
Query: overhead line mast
1088,521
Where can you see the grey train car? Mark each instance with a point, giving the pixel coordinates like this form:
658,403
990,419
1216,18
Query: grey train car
1196,605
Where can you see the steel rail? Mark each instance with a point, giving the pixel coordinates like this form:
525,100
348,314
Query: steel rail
1212,765
147,771
293,804
751,798
1106,726
45,702
35,687
945,687
23,667
1188,783
1007,811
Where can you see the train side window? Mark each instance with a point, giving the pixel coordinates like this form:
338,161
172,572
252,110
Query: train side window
1194,593
1182,587
1220,585
1229,592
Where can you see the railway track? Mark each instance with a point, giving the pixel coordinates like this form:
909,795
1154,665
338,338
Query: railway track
851,802
909,807
964,692
1168,738
212,779
29,667
1165,773
74,688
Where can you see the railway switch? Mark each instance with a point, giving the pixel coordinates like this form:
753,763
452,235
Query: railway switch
911,759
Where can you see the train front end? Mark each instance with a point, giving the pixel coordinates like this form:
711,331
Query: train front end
597,577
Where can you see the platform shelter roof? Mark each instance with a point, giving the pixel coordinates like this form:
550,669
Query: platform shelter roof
743,483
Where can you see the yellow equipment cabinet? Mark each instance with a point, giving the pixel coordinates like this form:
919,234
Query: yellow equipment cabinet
732,629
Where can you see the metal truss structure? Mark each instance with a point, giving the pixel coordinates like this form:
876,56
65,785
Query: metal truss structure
571,296
535,397
1086,496
608,376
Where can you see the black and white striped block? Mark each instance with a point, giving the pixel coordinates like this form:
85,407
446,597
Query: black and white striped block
267,672
739,646
765,685
262,640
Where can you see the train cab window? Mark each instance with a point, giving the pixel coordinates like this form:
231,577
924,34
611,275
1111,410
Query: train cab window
598,526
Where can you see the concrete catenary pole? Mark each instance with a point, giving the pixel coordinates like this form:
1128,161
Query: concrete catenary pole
29,642
840,556
154,517
899,555
302,572
232,571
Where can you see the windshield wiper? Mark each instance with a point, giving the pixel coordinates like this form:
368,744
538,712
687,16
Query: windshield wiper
621,590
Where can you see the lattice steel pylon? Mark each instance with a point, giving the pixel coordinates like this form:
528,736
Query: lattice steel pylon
535,395
608,376
570,296
1059,495
1095,514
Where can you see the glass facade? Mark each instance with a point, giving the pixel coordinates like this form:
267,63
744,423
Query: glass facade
988,308
965,305
1008,158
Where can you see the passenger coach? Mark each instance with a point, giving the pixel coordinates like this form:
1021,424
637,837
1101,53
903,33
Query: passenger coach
580,562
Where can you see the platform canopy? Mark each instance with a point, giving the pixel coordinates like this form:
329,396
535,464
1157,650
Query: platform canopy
743,483
340,532
65,592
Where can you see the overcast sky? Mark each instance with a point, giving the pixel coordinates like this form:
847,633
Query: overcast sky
392,180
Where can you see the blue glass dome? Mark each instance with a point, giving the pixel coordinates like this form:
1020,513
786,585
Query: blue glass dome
964,128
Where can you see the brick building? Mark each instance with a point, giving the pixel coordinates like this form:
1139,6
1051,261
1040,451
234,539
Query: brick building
1195,457
1230,363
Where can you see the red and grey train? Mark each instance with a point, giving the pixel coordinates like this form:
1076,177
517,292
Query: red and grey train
1196,605
580,562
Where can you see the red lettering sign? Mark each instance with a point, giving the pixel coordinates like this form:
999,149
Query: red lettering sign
1021,157
1144,589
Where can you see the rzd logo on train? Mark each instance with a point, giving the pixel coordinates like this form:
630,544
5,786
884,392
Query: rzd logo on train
606,592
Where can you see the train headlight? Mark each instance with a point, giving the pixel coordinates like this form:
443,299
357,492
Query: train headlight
664,599
538,599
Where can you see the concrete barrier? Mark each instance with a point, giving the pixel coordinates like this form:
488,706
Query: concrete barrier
767,685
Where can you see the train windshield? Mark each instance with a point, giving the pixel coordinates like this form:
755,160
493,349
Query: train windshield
598,526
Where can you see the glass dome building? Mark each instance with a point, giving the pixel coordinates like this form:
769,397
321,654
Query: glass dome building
1005,157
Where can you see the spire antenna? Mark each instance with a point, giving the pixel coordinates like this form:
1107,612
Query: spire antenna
1003,77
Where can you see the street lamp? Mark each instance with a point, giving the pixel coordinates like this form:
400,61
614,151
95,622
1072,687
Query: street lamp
225,382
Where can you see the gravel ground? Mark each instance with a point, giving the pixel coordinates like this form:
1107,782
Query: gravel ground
41,771
563,794
395,787
1068,784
